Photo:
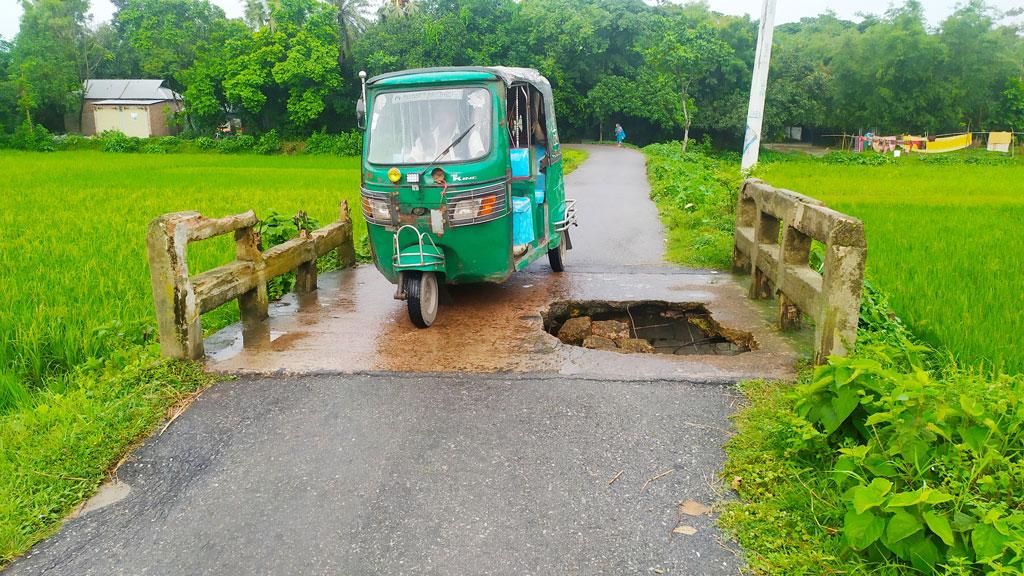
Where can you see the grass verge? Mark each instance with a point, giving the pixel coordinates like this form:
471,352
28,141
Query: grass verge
898,460
56,452
572,158
696,197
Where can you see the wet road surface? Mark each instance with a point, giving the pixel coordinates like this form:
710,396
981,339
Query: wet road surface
355,444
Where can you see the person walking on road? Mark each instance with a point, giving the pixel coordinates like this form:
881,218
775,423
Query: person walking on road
620,134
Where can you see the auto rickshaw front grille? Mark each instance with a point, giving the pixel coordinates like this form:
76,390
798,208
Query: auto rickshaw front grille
499,209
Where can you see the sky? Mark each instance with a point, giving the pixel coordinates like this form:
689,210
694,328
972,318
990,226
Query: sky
786,11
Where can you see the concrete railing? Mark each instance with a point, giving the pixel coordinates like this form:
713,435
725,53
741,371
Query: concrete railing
774,230
181,299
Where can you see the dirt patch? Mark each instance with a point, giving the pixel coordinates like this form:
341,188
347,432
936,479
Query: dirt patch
647,326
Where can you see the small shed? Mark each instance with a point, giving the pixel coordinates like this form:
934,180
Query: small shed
135,107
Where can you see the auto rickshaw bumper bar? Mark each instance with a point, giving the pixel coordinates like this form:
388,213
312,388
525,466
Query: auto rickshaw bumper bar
570,217
422,255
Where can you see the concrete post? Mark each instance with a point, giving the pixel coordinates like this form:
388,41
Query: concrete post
347,250
842,281
796,250
254,305
766,231
177,314
746,211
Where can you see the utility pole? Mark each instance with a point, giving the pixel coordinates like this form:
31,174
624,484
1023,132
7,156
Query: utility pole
758,87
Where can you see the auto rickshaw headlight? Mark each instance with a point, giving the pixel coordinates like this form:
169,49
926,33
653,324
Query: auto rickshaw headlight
376,209
394,175
474,208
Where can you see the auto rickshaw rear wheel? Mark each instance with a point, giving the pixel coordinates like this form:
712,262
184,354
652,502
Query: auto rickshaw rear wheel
421,295
556,256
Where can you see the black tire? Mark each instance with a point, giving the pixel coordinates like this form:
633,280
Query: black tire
556,256
422,296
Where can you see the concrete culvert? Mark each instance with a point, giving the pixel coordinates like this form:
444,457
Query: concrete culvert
644,327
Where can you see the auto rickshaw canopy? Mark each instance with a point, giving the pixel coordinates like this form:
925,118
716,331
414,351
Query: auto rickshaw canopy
456,74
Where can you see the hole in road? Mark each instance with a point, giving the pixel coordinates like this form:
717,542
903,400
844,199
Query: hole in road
649,326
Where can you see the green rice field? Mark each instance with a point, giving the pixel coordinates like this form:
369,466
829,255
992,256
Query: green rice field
945,242
73,271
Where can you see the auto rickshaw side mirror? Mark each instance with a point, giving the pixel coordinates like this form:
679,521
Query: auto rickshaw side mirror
361,114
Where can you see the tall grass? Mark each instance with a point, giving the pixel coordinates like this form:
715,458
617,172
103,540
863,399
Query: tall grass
945,241
73,273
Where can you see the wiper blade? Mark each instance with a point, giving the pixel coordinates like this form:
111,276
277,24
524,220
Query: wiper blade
455,143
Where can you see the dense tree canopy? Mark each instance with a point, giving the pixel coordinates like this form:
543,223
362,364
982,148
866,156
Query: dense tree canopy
292,64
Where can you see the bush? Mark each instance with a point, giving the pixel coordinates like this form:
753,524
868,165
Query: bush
116,141
269,143
344,144
894,458
206,143
237,144
859,158
169,142
71,142
154,148
33,138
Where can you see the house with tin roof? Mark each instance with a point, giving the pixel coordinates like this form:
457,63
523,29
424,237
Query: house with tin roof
140,108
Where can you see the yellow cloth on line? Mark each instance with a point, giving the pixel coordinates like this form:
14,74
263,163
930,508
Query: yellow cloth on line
947,144
999,137
999,141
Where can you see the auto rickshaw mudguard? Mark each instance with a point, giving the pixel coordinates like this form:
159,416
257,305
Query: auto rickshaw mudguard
422,257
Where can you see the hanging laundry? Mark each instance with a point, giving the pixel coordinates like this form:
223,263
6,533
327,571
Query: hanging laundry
948,144
999,141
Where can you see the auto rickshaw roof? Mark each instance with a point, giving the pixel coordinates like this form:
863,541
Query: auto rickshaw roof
506,74
446,74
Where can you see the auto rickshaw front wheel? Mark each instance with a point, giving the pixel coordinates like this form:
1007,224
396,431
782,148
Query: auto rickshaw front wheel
556,256
421,294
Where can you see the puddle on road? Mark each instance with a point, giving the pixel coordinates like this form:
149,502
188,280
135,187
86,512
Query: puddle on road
649,326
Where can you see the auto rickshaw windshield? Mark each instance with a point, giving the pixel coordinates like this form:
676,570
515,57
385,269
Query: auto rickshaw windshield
421,126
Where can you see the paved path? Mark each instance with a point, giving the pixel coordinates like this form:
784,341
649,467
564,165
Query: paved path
483,461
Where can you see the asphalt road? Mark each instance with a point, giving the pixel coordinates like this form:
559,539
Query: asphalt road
456,473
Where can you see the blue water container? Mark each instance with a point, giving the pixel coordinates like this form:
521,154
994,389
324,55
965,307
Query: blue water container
520,159
522,220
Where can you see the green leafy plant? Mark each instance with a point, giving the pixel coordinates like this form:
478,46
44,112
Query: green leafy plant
344,144
206,143
237,144
269,143
277,229
858,159
115,141
928,471
31,137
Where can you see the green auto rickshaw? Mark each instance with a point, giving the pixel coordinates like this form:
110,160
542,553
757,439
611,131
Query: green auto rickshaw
461,178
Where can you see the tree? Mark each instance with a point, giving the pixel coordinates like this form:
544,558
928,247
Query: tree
279,75
48,60
351,24
255,14
160,38
979,58
1012,108
680,54
889,78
